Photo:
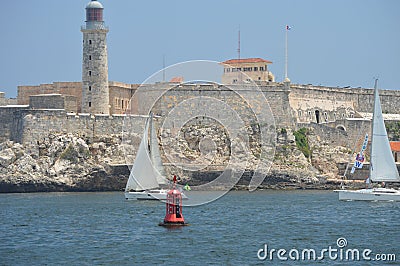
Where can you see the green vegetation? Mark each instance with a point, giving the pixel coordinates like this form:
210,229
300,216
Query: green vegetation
283,131
302,142
393,130
70,154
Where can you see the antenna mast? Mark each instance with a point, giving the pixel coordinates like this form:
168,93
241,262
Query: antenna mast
163,74
238,50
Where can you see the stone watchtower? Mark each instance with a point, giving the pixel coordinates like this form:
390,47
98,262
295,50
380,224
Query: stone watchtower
95,91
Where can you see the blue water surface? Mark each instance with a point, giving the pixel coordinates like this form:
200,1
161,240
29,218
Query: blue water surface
105,229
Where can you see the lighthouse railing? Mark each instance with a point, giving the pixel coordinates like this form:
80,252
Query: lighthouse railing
94,25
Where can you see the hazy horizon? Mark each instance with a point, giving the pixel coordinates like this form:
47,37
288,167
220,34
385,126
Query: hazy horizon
331,43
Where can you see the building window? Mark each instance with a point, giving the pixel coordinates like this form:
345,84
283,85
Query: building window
245,69
90,88
90,41
235,80
90,73
255,68
90,104
122,104
90,57
261,68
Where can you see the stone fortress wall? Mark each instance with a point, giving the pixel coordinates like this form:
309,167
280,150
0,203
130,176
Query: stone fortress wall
53,101
64,88
338,103
292,107
119,94
33,127
7,101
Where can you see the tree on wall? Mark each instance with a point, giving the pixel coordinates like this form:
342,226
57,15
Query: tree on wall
302,141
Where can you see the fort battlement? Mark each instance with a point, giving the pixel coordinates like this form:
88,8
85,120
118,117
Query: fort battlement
32,127
292,107
6,101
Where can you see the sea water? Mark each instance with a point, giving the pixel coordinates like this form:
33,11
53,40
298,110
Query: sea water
240,228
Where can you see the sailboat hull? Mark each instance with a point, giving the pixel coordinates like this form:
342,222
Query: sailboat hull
157,194
154,194
370,194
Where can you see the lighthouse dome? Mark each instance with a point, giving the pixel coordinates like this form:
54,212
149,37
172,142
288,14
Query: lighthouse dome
94,4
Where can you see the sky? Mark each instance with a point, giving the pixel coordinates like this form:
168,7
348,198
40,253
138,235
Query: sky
331,43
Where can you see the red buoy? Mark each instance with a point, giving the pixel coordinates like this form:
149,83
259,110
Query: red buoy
173,215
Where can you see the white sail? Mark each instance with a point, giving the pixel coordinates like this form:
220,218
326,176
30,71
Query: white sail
382,168
155,154
142,175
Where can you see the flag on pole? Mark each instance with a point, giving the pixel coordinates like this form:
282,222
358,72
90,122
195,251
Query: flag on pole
288,27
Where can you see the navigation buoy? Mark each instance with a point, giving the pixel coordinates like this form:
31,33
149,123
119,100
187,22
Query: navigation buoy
173,215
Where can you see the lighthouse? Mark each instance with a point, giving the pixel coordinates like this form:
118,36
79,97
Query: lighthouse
95,91
173,215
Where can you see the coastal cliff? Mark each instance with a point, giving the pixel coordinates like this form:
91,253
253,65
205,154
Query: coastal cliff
67,162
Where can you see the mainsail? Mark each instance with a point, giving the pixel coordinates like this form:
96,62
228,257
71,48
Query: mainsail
155,154
383,167
142,175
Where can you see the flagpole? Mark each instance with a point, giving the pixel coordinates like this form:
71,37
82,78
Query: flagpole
238,50
286,55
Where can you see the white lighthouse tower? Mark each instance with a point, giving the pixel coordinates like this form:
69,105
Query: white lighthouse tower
95,91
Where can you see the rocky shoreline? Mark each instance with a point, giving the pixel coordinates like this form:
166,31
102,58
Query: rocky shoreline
110,183
71,163
114,179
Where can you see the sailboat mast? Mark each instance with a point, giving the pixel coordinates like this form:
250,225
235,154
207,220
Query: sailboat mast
150,134
372,132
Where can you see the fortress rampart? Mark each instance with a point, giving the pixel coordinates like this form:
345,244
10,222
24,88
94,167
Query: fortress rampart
293,107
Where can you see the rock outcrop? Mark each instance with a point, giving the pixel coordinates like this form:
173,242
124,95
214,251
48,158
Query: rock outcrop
64,163
72,163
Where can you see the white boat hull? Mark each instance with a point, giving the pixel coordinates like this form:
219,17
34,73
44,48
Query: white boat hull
154,194
370,194
160,194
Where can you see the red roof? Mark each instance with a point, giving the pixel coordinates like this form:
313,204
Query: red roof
395,145
176,80
246,60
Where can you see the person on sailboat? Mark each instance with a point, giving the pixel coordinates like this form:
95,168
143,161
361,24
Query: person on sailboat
187,187
367,182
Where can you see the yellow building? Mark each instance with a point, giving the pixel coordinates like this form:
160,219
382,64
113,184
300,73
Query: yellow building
245,70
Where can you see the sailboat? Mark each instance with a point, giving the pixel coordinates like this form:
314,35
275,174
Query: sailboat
147,174
382,165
